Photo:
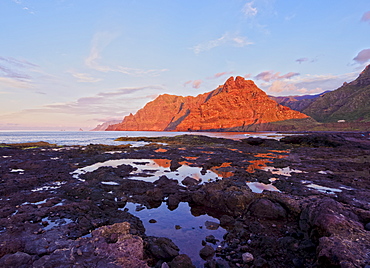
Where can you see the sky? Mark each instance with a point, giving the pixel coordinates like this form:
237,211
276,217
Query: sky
71,64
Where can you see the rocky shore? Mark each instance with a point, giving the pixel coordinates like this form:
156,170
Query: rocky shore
303,201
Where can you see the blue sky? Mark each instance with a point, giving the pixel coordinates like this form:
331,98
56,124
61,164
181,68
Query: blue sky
70,64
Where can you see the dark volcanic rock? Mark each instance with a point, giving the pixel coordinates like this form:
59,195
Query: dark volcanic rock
266,209
207,252
181,261
161,248
342,239
189,181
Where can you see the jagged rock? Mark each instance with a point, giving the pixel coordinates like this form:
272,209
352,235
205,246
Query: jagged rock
109,246
342,240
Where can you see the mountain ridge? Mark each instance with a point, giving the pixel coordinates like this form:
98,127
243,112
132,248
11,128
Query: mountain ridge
237,103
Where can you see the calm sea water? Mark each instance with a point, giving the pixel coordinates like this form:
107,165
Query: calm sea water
108,137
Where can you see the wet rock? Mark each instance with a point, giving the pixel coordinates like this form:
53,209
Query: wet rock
260,263
173,201
155,194
174,165
210,225
247,257
181,261
211,239
267,209
161,248
207,252
189,181
18,260
226,220
219,263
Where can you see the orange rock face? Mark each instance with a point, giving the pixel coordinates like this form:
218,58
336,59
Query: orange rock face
238,102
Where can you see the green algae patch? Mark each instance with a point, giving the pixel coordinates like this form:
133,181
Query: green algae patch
29,145
179,140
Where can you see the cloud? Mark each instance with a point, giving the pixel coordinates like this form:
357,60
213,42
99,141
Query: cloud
197,83
268,76
363,56
247,76
84,78
366,16
226,39
103,104
307,84
248,10
14,68
218,75
7,82
18,2
300,60
281,86
100,41
194,84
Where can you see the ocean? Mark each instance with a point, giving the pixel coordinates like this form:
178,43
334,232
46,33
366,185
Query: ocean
108,137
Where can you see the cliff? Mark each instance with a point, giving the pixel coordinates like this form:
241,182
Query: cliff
237,103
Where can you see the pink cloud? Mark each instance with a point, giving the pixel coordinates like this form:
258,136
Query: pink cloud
247,76
366,16
221,74
288,75
268,76
363,56
187,83
196,83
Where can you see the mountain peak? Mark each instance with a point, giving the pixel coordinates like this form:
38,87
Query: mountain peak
363,79
237,103
237,83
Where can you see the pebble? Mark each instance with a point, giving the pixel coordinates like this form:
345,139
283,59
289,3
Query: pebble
247,257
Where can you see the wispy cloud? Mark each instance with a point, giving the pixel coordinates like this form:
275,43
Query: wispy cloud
268,76
248,9
363,56
218,75
84,78
300,60
7,82
100,41
103,104
194,83
226,39
14,68
14,73
366,16
20,3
